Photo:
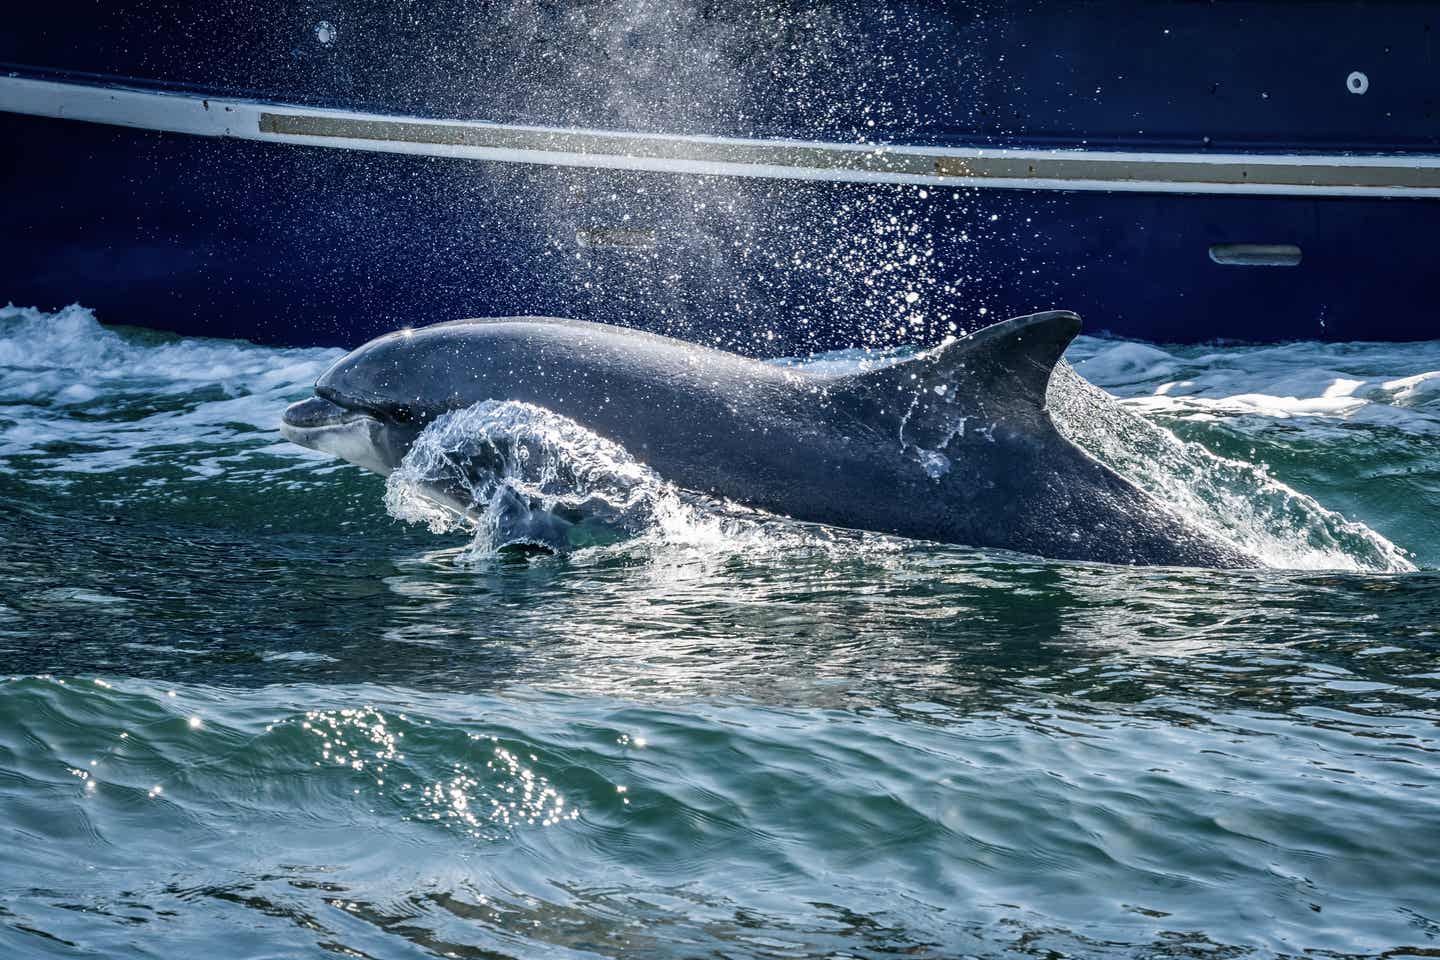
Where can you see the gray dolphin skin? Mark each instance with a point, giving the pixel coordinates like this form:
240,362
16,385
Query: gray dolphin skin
954,445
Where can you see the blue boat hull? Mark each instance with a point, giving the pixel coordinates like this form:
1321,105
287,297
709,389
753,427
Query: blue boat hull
274,235
300,245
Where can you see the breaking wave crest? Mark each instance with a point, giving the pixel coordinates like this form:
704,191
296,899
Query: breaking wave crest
1236,501
79,398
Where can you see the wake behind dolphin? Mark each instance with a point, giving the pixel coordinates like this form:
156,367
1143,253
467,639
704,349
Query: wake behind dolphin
954,445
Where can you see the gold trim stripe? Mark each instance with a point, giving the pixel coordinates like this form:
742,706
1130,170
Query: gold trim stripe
1056,166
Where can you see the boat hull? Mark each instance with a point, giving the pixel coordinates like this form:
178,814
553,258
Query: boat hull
307,245
769,177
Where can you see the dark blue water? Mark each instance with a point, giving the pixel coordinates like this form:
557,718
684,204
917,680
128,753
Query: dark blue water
244,712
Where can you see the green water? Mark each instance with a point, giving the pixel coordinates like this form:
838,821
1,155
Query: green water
245,713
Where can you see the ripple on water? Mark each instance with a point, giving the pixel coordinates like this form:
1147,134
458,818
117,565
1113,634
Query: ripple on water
740,827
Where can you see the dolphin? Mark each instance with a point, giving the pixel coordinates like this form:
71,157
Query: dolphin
953,445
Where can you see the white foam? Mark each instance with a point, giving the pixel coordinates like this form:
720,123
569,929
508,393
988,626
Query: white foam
1391,384
1235,501
1127,363
83,398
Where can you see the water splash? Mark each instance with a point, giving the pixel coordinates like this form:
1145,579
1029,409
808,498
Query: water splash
1233,500
519,474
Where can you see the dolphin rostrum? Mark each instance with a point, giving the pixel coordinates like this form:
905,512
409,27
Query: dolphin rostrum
952,445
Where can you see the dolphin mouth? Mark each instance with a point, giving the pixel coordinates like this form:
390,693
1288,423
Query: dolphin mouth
317,413
359,436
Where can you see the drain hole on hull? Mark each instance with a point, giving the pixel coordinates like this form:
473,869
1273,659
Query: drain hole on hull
1256,254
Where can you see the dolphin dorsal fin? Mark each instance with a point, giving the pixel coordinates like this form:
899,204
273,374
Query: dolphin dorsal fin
996,375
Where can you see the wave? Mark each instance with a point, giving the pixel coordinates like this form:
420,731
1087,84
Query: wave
381,821
1374,384
1236,501
180,745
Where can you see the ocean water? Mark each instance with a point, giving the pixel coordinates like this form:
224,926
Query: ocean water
249,708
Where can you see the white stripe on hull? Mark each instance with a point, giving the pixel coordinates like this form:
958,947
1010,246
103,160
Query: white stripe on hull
1390,175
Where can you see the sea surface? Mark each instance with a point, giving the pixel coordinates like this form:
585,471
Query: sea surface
249,709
